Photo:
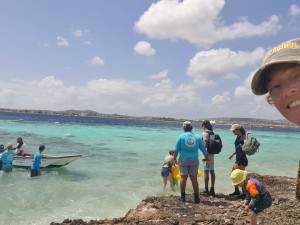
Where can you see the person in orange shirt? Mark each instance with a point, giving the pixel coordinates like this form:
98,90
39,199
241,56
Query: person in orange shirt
257,196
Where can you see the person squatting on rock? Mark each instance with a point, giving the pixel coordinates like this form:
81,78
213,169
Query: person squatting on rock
187,146
257,197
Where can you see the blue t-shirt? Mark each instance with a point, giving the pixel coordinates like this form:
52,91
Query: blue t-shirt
7,158
36,162
188,144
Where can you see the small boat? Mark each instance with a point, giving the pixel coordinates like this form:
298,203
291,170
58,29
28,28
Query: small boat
46,160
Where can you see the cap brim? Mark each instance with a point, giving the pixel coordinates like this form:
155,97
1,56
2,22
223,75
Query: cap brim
258,84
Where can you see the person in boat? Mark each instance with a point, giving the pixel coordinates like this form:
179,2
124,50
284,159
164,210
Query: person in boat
35,168
21,147
7,158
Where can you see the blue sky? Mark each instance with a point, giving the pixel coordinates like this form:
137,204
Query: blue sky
188,59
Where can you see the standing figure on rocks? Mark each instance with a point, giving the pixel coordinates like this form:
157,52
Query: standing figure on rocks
257,196
187,146
241,161
279,78
208,170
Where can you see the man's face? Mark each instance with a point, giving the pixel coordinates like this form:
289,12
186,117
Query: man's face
284,88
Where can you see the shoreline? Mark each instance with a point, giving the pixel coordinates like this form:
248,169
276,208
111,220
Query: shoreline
217,121
222,209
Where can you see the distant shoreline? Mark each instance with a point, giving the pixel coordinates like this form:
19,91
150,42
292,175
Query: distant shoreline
218,121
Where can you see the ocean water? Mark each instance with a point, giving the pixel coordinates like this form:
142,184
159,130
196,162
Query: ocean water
120,166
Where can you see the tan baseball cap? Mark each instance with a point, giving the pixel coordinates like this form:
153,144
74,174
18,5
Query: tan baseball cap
286,52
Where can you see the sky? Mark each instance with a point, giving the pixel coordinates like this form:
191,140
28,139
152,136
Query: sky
191,59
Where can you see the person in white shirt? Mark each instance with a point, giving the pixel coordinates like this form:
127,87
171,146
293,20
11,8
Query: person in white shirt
21,147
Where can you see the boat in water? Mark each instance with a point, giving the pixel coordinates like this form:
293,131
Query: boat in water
46,160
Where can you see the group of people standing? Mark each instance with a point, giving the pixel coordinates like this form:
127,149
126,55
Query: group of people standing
279,78
7,155
256,197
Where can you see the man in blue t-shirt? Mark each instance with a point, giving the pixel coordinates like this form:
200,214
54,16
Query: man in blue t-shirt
187,146
7,158
35,168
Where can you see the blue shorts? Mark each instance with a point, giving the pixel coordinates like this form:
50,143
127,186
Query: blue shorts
34,173
188,167
165,171
211,166
211,158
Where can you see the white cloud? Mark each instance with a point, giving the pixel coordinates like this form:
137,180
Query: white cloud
97,61
294,10
62,41
221,98
78,33
163,99
198,22
208,66
88,43
160,75
144,48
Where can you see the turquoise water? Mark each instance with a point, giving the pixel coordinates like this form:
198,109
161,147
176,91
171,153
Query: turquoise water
120,167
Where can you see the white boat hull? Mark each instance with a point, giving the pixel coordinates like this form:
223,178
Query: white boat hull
46,161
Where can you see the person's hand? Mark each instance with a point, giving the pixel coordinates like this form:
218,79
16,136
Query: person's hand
246,208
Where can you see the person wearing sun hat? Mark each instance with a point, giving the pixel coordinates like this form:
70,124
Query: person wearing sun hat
257,196
241,160
279,76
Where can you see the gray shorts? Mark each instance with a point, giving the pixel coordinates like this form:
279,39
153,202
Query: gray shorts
188,167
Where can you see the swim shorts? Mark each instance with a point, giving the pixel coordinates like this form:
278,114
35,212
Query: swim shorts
165,171
189,167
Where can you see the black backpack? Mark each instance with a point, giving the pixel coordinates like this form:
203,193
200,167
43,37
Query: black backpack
214,143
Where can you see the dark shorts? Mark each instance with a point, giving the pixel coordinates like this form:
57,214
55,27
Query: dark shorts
34,173
165,171
265,203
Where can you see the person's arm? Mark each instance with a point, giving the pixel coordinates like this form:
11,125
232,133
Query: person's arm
204,152
230,157
175,157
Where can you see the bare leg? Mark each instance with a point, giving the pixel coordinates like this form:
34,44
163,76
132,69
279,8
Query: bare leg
213,178
206,179
253,217
195,183
183,183
164,182
170,179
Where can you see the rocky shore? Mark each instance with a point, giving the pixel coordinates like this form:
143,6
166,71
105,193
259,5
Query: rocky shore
220,210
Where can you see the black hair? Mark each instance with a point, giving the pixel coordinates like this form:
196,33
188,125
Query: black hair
243,131
207,125
42,147
187,128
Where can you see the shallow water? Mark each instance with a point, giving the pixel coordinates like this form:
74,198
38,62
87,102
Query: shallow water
120,165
